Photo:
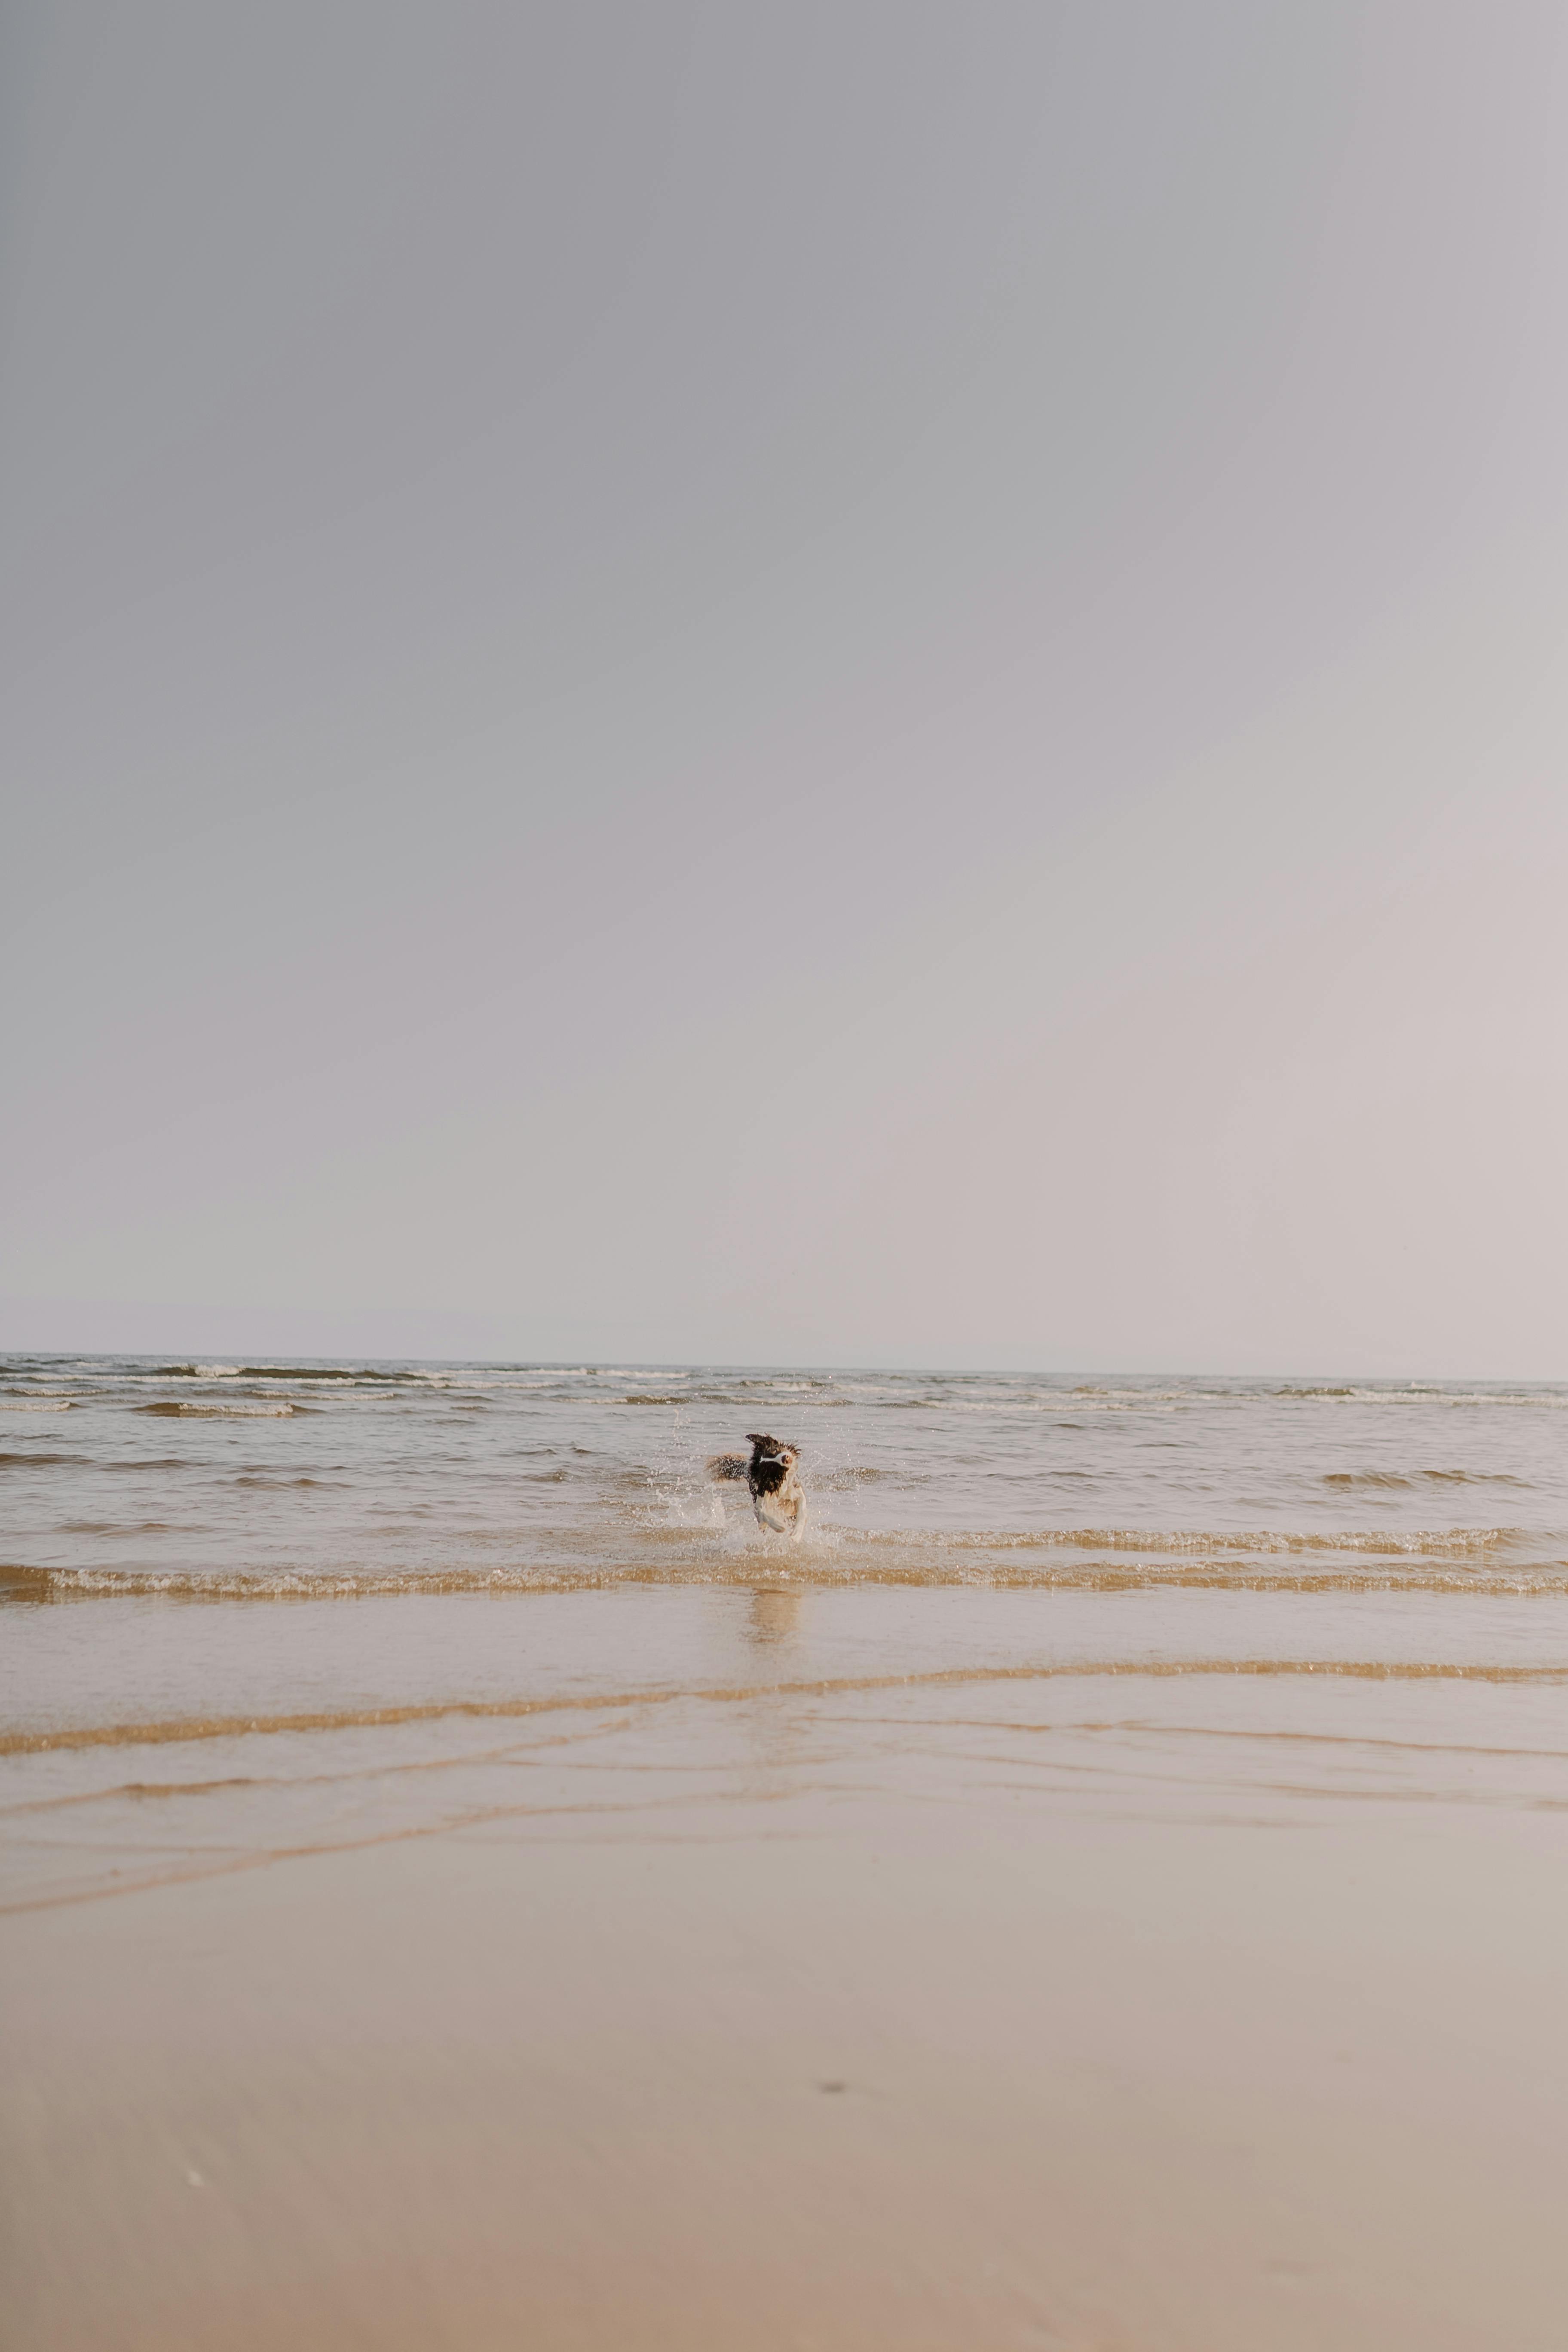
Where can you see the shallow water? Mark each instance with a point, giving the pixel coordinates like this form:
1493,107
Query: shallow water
424,1527
130,1474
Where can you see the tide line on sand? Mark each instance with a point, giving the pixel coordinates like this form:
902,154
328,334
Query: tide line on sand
226,1727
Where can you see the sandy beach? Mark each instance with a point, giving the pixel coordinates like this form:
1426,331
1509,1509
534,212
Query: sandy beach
930,1968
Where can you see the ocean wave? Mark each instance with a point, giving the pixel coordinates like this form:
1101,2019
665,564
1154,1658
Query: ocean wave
1438,1542
1054,1406
755,1567
90,1462
332,1375
1341,1479
283,1485
1553,1398
275,1409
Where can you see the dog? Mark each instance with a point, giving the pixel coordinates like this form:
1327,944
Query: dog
772,1480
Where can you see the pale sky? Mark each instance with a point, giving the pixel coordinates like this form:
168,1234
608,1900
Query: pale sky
871,683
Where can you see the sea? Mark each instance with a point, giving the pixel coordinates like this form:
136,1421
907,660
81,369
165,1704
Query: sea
240,1480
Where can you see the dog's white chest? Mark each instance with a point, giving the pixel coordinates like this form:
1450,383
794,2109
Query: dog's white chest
783,1510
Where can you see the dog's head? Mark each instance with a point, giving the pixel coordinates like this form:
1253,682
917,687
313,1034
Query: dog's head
773,1447
772,1465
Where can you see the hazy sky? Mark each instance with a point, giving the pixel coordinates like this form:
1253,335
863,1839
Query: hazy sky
865,683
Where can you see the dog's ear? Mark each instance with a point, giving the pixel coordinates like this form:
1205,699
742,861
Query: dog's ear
757,1437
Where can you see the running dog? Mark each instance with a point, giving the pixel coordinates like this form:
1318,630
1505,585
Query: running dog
772,1481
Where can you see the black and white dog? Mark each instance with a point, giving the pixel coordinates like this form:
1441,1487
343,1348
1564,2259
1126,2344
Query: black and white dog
772,1480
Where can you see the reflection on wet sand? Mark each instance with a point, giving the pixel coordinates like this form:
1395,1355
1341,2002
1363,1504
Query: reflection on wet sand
774,1615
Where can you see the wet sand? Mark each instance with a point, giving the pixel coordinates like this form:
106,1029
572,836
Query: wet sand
1019,2002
